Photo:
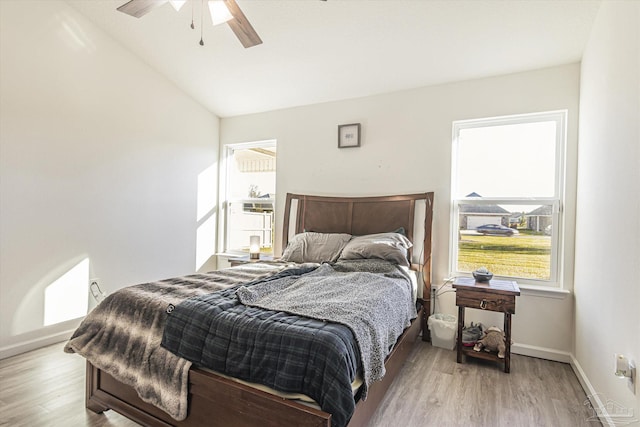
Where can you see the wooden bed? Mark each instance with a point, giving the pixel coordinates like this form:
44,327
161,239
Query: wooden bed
216,400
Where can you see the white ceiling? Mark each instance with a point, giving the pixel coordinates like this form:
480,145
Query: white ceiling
318,51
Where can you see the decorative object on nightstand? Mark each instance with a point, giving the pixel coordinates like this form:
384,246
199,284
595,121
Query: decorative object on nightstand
482,275
493,295
254,247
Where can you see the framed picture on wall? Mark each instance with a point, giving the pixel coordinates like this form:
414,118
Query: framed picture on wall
349,135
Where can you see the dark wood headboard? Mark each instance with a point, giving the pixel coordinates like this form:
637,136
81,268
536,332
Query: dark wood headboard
364,215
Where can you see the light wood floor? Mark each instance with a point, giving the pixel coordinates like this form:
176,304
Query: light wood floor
46,388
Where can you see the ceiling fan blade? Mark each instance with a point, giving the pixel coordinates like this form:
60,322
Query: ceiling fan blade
140,8
241,26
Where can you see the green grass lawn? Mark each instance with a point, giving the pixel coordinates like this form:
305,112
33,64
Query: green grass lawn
524,255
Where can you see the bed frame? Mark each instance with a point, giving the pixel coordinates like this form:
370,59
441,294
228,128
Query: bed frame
216,400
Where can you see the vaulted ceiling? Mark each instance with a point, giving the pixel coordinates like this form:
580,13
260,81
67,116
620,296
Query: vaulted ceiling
317,51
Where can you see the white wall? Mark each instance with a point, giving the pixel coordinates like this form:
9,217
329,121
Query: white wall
607,277
101,158
406,148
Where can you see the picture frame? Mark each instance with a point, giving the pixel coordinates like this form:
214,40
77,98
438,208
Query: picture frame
349,135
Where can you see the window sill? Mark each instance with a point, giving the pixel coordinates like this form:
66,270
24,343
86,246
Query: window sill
230,254
543,291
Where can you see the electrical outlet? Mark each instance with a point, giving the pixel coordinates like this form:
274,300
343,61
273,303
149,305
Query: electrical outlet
96,292
631,381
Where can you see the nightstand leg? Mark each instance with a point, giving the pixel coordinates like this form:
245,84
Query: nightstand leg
507,338
460,326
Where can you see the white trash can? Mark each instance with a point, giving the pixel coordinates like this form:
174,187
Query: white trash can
443,329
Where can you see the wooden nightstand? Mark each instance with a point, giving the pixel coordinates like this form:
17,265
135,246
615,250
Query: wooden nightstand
246,260
496,295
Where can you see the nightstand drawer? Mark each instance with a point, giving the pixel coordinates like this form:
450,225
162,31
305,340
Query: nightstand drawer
485,300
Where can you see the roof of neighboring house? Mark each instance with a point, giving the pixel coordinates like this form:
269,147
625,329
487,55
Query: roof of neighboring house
544,210
482,209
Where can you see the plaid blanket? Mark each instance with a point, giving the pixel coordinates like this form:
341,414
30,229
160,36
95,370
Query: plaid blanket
372,297
122,334
288,352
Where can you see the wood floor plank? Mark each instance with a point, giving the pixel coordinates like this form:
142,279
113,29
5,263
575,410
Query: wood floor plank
478,393
45,387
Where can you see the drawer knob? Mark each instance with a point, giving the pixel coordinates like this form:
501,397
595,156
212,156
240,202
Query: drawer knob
483,304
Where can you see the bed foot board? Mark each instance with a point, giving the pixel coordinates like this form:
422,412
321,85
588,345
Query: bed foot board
92,402
215,400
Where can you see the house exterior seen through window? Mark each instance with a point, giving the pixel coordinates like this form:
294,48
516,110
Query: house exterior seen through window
507,196
250,196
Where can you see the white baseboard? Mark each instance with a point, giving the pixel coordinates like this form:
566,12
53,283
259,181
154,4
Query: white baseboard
542,353
594,397
23,347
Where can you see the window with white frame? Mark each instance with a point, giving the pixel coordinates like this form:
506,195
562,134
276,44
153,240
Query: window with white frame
249,205
507,196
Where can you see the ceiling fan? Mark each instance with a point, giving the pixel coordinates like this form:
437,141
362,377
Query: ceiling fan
236,20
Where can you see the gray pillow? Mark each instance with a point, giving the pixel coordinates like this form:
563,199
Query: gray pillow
391,247
315,247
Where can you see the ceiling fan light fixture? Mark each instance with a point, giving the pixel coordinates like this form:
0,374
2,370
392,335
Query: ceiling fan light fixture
219,12
177,4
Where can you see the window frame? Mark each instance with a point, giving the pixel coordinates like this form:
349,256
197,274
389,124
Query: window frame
226,202
557,201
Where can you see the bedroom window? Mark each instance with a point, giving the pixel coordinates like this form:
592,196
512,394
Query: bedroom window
507,196
249,204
